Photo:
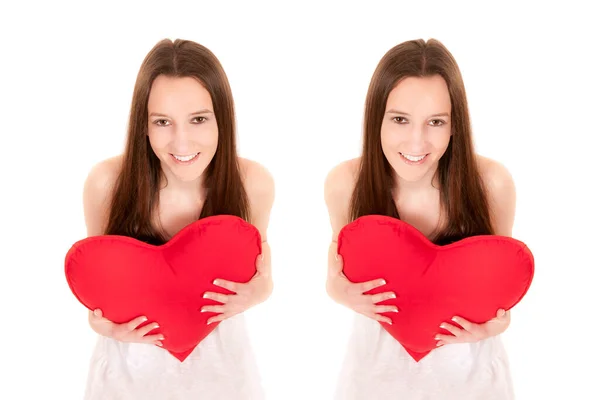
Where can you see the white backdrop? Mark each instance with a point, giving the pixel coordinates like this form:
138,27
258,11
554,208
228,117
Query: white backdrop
299,75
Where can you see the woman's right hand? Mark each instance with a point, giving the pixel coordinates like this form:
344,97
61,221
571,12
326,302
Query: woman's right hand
126,332
352,295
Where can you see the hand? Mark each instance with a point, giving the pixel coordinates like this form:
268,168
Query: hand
245,295
352,295
471,332
127,332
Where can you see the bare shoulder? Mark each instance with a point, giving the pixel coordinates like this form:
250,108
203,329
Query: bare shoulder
501,189
260,188
497,178
338,188
97,190
257,179
103,174
340,181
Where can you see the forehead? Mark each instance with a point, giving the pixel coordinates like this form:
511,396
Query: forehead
183,94
420,95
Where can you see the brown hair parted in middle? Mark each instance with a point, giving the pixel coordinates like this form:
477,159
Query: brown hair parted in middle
136,192
463,196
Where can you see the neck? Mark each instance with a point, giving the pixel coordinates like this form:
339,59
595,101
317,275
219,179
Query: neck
189,189
403,188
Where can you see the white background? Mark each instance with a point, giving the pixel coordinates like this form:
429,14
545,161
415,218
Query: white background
299,75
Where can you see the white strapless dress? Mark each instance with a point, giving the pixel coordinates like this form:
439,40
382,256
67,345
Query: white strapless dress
377,367
221,367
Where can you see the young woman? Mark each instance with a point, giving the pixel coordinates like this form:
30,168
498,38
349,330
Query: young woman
418,164
179,165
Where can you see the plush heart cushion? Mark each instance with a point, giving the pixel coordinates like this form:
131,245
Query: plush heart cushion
471,278
127,278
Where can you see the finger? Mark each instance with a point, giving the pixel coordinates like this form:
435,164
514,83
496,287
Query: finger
153,339
221,298
381,318
366,286
143,331
447,339
378,298
503,315
133,324
98,313
216,318
215,309
232,286
382,309
454,330
467,326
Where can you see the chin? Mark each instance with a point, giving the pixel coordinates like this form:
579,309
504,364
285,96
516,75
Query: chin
412,174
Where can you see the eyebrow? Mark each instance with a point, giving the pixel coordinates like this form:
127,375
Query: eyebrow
205,111
392,111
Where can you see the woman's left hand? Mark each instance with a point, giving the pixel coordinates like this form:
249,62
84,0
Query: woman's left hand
471,332
246,295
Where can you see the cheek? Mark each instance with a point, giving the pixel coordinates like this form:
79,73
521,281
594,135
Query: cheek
388,139
209,139
441,142
157,139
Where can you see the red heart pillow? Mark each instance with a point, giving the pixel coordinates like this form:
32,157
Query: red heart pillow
127,278
471,278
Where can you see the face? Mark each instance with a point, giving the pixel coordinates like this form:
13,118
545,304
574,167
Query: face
182,127
416,127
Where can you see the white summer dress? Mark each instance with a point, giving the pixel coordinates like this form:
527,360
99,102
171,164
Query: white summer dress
377,367
221,367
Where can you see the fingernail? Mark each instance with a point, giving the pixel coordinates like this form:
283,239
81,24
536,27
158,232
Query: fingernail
156,326
205,295
438,344
337,258
144,319
383,281
202,310
443,326
262,256
159,344
162,338
437,338
215,282
455,319
392,296
395,310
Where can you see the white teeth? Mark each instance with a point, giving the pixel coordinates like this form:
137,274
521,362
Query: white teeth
185,158
413,158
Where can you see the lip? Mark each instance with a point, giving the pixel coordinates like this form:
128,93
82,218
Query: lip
176,161
406,160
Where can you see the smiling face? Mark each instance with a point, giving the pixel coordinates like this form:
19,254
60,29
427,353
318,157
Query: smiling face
182,127
416,127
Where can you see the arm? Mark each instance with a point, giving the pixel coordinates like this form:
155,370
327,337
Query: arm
338,188
261,194
97,190
502,198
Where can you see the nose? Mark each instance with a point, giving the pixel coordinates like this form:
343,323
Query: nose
182,138
417,138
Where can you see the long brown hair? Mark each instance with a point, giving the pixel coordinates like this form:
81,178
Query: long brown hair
463,197
136,192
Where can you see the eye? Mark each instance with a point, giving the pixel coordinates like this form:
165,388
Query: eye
198,120
161,122
399,119
438,122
